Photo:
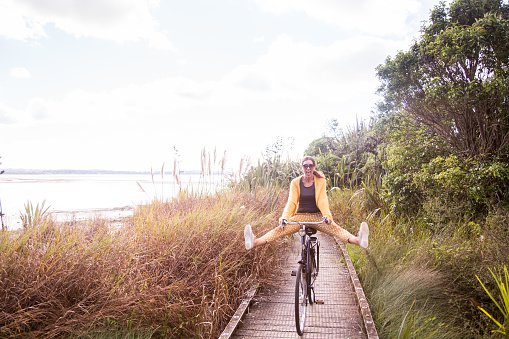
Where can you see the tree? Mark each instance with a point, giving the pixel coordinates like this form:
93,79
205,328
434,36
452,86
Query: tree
408,147
455,78
322,145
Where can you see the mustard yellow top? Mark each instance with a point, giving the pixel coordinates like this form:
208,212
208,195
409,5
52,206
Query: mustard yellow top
322,201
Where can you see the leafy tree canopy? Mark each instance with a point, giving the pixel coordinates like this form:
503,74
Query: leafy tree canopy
455,78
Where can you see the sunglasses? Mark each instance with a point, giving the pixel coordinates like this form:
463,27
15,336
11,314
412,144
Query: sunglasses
308,165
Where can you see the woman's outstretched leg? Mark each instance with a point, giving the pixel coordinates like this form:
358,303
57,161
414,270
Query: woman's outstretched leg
335,230
252,241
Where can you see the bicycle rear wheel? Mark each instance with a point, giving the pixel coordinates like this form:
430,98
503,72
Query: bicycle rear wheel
317,251
301,301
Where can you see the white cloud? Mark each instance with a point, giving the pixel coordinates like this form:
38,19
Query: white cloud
7,115
16,24
19,72
292,91
37,109
300,71
375,17
117,20
259,39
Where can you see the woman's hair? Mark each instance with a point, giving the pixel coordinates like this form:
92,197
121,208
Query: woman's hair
315,172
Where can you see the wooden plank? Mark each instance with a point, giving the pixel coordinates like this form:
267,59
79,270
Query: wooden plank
367,318
234,321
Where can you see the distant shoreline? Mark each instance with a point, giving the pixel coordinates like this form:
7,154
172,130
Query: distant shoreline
87,171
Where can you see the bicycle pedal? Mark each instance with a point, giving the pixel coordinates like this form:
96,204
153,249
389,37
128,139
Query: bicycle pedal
294,273
319,301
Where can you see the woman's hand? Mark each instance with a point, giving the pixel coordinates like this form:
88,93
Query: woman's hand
282,222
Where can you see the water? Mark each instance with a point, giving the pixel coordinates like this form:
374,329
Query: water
80,196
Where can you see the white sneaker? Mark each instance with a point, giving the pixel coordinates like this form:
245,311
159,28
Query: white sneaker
249,237
363,235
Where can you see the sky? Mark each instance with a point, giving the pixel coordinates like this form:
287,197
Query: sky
136,84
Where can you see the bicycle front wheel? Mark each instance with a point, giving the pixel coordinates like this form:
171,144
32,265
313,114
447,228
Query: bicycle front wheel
310,274
301,301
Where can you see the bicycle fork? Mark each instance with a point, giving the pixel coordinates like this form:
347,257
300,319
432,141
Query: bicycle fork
303,256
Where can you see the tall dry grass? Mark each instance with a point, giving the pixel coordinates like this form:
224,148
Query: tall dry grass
176,269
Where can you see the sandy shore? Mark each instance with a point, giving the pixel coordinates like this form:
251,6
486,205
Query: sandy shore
102,213
113,215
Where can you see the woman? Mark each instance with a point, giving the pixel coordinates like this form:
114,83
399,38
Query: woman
307,201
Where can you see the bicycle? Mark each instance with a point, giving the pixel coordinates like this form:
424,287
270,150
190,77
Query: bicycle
306,272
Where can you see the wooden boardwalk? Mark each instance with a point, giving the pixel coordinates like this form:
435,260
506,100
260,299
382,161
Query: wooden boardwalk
344,313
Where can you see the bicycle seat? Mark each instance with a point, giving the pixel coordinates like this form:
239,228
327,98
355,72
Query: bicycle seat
310,231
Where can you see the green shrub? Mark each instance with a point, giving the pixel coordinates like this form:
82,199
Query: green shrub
474,186
348,155
408,147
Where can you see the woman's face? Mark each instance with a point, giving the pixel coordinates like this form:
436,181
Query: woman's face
308,167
